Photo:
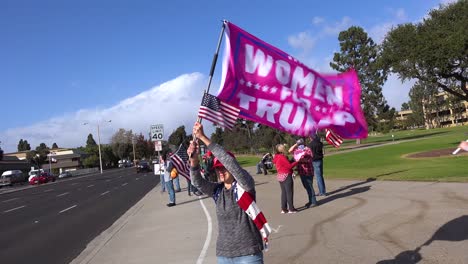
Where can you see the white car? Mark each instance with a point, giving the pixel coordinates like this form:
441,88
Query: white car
65,174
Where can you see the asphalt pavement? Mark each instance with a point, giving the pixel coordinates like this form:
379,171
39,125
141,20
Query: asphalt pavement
53,222
358,222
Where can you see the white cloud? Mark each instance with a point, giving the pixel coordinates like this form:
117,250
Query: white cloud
173,103
303,41
396,92
344,24
317,20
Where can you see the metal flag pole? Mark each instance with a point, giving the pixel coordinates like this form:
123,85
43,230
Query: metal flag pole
213,63
213,66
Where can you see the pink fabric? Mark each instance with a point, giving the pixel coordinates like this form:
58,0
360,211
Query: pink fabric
298,153
282,176
273,88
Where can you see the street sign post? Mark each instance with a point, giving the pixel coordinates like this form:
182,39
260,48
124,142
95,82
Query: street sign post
157,132
158,145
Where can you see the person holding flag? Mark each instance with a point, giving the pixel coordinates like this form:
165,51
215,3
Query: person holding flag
242,228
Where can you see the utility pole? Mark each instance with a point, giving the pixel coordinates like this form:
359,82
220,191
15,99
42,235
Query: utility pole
134,156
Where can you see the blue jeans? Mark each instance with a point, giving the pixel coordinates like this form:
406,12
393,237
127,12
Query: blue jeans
307,183
170,190
176,184
163,184
251,259
318,171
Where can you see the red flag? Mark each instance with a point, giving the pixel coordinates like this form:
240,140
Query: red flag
332,138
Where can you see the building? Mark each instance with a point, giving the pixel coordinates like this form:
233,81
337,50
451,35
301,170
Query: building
14,163
65,160
441,113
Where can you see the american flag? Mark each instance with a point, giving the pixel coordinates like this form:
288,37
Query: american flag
180,161
218,112
332,138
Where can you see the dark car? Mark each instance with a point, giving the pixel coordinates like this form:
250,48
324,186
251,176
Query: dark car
143,166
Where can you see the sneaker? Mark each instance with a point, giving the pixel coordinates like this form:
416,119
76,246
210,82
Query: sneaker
292,211
284,211
170,204
313,205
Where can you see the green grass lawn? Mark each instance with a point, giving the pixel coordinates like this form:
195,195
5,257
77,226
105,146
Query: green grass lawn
388,162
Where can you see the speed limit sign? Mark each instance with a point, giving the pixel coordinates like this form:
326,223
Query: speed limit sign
157,132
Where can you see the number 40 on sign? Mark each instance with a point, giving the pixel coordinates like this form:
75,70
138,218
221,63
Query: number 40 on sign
157,132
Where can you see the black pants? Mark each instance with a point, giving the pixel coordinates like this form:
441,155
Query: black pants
287,193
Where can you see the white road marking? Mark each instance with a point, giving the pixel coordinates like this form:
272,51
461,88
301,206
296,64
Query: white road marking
90,185
13,209
48,190
104,193
124,184
12,199
64,210
277,229
137,179
74,183
120,177
208,234
62,194
107,180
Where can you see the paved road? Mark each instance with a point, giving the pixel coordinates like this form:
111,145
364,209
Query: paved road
54,222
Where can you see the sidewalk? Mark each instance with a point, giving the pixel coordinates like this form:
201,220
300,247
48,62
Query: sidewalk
359,222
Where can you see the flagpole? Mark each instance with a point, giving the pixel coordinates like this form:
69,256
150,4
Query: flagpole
213,63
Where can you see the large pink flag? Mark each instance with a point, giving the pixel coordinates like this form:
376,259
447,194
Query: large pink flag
272,88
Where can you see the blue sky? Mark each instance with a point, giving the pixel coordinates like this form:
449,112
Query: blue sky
139,63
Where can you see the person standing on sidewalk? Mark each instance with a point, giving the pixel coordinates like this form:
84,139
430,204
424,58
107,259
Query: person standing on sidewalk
305,171
239,234
285,179
317,161
168,181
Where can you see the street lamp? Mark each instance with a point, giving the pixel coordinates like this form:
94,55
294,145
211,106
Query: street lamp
99,142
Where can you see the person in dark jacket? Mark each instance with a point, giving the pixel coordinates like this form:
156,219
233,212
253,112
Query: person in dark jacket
317,162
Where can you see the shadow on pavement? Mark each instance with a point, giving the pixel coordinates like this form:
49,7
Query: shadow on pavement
351,186
454,230
330,198
194,200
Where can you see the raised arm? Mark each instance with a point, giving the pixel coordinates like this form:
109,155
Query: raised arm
197,180
230,163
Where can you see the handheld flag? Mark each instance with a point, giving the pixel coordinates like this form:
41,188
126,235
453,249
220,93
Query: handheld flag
332,138
218,112
180,161
273,88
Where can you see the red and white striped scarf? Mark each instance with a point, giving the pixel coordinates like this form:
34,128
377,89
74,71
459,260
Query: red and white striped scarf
246,202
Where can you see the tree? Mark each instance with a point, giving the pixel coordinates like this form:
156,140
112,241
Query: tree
218,135
108,157
359,51
143,148
55,146
405,107
90,141
121,143
178,136
23,145
433,51
1,153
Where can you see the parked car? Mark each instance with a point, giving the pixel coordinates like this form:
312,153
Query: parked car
143,166
44,177
11,177
65,174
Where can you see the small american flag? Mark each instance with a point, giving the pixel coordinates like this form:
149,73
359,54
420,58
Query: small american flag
332,138
218,112
180,161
